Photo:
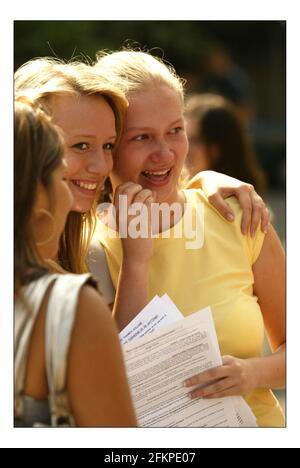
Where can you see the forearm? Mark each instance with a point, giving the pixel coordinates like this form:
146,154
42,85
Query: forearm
269,371
132,292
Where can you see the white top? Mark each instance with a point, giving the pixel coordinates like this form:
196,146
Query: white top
60,317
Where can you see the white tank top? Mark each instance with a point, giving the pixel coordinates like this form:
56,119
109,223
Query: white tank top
60,317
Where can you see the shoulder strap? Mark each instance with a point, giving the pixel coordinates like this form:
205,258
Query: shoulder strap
61,313
98,266
26,311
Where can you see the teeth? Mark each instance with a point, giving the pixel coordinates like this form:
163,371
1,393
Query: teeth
157,173
85,185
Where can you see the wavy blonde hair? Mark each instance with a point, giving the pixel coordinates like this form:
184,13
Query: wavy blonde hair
43,78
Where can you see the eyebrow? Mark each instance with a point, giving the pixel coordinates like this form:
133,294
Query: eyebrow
132,129
93,136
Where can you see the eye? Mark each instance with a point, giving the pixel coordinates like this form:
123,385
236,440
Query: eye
176,130
108,146
141,137
82,146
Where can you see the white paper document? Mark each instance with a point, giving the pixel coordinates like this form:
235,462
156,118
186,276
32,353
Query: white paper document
162,350
159,312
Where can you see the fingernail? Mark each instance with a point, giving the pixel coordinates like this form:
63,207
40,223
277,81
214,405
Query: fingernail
230,217
252,233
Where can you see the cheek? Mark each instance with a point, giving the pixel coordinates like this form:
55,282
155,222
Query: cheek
75,165
182,151
128,163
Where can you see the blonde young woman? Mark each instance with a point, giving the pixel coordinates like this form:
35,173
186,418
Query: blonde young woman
89,111
240,277
68,362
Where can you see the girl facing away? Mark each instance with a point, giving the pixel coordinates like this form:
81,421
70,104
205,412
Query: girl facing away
68,362
240,277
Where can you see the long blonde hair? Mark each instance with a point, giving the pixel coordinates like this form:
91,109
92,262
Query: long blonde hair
43,78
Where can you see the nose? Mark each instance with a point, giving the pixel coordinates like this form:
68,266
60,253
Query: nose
162,153
100,163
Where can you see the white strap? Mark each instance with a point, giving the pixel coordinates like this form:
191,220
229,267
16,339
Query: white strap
61,313
25,313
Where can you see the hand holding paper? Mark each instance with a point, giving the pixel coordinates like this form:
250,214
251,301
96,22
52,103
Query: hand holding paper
164,357
231,379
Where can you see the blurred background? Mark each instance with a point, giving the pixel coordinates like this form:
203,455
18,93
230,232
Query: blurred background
244,61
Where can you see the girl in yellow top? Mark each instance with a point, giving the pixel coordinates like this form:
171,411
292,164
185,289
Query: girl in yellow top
240,277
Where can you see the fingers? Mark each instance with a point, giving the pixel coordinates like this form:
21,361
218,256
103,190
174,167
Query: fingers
254,209
265,219
260,214
220,388
209,375
219,203
257,205
142,196
246,206
129,189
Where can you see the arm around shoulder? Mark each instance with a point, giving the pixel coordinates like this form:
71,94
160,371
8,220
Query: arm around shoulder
96,379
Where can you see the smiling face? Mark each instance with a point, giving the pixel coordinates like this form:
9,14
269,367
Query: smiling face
88,125
154,144
58,201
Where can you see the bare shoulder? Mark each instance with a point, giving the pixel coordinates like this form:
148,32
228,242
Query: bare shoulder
272,250
93,319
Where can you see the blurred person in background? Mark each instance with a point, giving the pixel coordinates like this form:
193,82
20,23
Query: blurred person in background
218,140
226,78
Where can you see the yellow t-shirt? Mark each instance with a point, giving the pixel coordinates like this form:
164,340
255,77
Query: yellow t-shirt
218,274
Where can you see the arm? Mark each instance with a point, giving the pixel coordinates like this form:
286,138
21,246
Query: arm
241,376
217,187
132,291
96,380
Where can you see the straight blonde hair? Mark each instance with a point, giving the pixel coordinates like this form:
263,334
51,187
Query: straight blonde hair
43,78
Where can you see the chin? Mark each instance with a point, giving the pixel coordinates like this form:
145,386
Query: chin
82,207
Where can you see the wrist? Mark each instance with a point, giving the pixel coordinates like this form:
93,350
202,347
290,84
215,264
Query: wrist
254,370
135,265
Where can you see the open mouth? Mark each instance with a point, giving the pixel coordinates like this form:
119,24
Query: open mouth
89,188
157,176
